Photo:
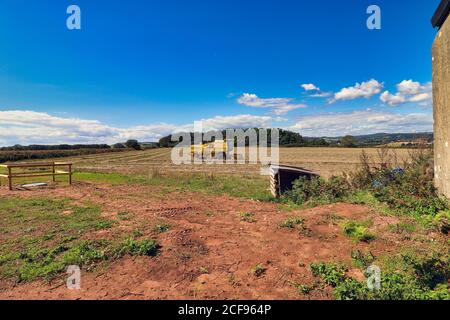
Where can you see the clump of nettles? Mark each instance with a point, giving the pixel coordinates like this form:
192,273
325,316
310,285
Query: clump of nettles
417,278
318,190
407,187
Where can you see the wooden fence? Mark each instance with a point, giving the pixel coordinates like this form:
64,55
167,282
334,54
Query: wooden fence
50,170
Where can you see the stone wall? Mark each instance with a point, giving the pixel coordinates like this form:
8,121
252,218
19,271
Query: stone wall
441,111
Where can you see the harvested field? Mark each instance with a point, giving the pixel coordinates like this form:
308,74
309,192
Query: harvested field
325,161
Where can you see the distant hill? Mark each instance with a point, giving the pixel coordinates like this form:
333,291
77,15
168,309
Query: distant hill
293,139
383,138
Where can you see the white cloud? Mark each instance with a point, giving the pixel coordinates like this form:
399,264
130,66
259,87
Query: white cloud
321,95
30,127
279,106
310,87
392,99
317,92
359,90
234,122
408,87
409,91
362,122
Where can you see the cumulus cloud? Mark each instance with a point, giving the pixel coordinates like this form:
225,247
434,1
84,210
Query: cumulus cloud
362,122
234,122
30,127
409,91
310,87
279,106
316,92
359,90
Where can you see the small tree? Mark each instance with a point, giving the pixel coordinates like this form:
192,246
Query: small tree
118,146
348,141
133,144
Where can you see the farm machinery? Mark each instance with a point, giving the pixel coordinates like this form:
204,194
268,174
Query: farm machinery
215,149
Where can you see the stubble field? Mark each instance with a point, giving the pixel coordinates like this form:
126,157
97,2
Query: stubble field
325,161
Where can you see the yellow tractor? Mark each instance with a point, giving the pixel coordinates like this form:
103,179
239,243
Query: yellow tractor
218,147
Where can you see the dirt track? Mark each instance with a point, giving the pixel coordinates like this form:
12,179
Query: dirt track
207,232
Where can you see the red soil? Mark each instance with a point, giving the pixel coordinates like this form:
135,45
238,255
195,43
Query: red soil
206,232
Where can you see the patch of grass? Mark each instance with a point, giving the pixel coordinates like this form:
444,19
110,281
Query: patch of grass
45,220
362,259
331,273
138,248
247,217
442,221
43,238
303,288
406,277
291,223
161,228
111,178
403,227
204,270
125,216
358,231
103,225
259,270
48,262
137,233
251,187
287,205
363,197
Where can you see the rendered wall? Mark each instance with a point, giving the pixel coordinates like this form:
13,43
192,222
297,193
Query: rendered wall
441,111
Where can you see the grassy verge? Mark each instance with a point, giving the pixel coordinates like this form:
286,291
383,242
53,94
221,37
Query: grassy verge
40,238
405,276
245,187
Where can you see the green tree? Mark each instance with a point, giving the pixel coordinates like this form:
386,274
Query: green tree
348,141
118,146
133,144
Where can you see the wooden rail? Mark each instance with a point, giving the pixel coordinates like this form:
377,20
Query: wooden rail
50,166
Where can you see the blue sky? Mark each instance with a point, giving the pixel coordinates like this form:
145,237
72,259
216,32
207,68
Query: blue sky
140,69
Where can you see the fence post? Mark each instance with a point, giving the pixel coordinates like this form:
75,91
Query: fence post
53,167
70,174
9,179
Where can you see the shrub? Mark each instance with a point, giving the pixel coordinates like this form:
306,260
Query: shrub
133,144
290,223
319,190
259,270
413,278
442,221
408,190
161,228
358,231
138,248
394,286
46,263
361,259
118,146
247,217
331,273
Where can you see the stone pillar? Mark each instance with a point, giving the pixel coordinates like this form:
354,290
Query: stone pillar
441,111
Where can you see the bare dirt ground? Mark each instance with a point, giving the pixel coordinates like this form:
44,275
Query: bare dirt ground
207,233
